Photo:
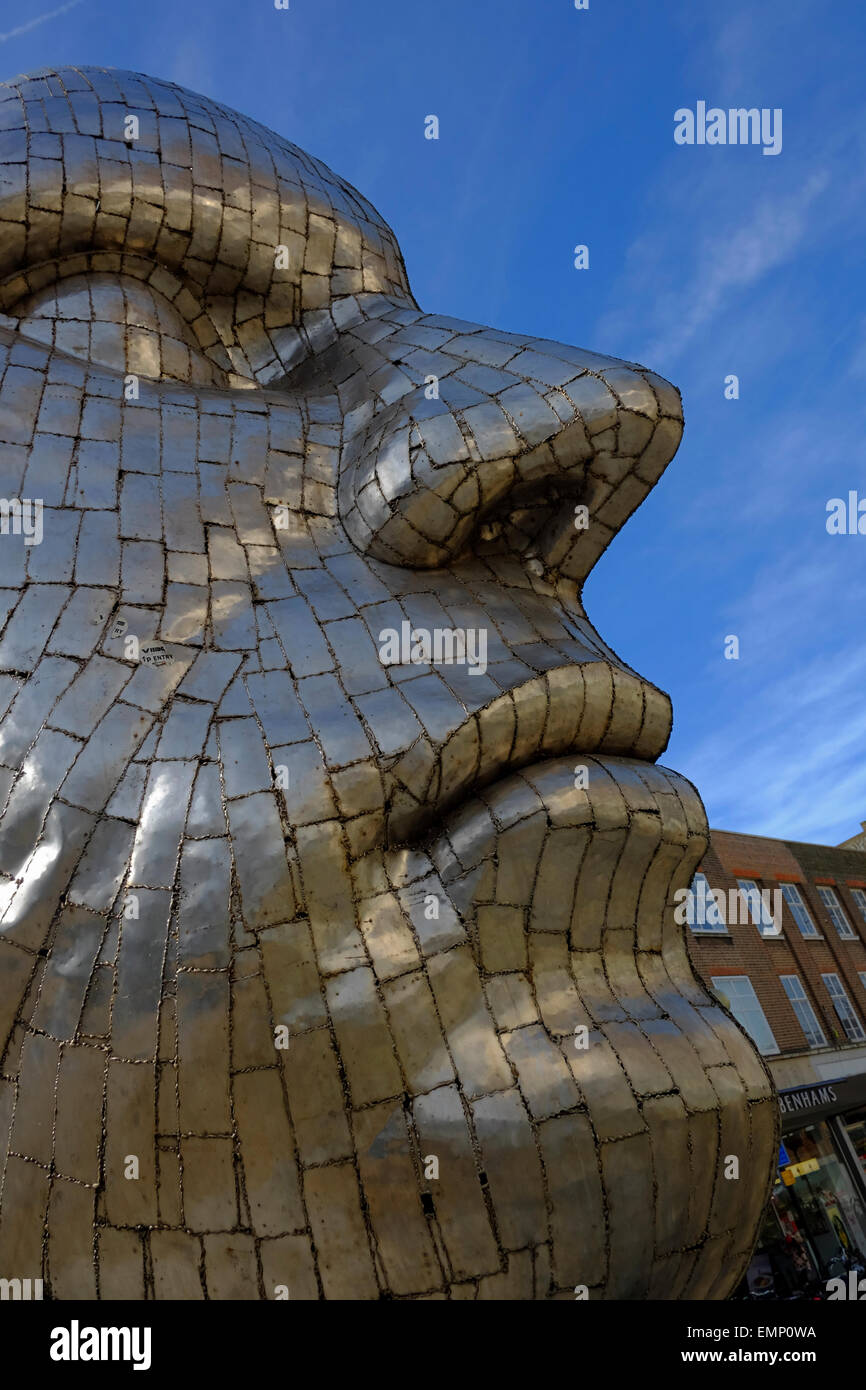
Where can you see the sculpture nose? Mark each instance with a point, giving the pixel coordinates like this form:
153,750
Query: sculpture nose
499,418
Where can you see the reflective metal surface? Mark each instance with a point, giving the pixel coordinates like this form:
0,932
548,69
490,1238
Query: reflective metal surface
337,948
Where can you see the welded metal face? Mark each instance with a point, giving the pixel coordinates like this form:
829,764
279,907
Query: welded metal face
337,951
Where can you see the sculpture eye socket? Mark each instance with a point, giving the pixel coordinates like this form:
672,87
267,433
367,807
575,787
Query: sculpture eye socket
120,322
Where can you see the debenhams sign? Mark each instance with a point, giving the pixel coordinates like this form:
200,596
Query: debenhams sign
824,1098
806,1098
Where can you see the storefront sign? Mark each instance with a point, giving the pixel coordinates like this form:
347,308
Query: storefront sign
806,1098
802,1104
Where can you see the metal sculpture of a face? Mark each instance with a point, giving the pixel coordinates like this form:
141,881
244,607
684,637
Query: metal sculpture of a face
337,943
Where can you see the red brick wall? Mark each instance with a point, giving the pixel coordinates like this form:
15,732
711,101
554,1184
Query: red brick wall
745,952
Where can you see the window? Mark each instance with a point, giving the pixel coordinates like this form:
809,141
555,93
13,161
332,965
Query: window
741,999
702,913
859,896
804,1011
842,1004
862,975
759,910
799,910
836,911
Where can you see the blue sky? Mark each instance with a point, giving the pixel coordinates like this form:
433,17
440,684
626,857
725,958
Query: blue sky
556,128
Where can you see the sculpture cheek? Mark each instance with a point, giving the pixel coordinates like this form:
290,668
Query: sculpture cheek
125,324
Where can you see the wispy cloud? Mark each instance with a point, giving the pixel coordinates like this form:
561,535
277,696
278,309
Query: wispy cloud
786,755
857,364
40,19
785,768
737,259
716,262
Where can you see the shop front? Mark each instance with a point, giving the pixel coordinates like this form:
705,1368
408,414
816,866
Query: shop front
815,1226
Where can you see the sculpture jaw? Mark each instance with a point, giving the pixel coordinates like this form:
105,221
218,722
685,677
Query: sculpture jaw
639,1086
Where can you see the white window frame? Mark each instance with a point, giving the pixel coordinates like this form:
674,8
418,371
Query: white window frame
796,905
835,911
746,1008
708,926
839,995
859,896
802,1006
763,920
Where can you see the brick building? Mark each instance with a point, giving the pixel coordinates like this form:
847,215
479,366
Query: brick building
778,931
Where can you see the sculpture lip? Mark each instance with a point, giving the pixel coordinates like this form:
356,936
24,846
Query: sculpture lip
591,707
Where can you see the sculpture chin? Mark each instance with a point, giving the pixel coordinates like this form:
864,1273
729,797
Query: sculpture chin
640,1087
